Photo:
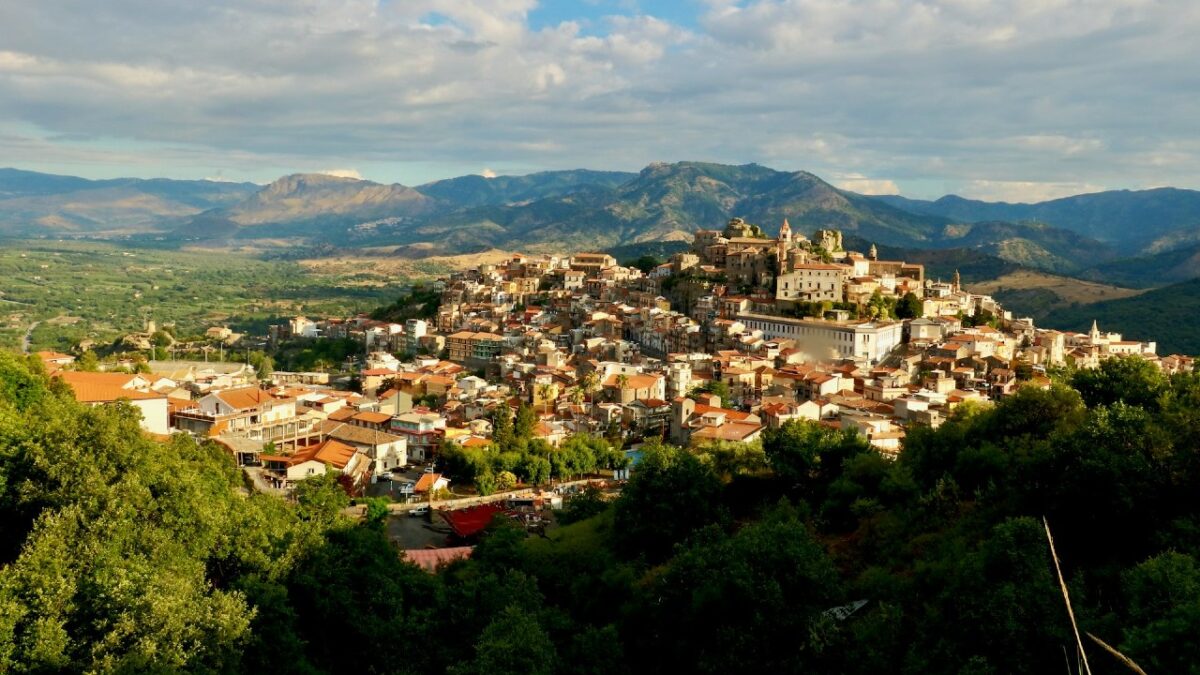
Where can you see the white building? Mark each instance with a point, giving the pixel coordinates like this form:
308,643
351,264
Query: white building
863,341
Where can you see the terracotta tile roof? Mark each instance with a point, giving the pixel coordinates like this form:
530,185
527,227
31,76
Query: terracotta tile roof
371,417
636,381
245,397
342,414
430,559
426,482
359,435
104,387
730,431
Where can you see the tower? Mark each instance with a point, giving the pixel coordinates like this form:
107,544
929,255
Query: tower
957,281
873,254
782,245
1094,334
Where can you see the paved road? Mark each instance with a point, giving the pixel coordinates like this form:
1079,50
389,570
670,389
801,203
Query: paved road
464,502
28,339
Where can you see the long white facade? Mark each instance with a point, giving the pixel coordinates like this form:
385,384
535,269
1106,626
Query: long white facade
866,341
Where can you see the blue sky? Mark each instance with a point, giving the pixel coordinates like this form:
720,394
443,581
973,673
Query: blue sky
1006,99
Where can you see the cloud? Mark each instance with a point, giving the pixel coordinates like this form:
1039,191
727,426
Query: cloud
488,173
1024,191
868,186
954,93
343,173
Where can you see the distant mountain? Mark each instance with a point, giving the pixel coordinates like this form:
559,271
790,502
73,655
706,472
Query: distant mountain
475,191
1145,271
668,202
306,197
1168,315
35,204
1138,221
577,209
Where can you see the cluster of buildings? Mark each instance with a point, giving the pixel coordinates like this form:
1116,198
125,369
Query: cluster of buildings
709,346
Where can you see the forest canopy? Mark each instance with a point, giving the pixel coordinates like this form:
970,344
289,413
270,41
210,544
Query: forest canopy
811,553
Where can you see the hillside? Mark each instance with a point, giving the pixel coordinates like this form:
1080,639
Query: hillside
1165,267
474,191
305,197
578,209
33,204
1167,315
1041,296
1136,220
668,202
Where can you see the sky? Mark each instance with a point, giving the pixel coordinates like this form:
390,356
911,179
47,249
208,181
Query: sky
1015,100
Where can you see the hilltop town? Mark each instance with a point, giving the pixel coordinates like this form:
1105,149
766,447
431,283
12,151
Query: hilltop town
741,333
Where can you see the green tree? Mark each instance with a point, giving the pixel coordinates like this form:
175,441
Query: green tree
671,495
87,362
513,644
910,307
506,480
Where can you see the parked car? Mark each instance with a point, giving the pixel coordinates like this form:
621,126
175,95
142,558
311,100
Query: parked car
419,512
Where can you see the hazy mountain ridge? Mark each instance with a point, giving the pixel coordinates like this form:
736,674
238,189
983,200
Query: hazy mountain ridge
475,190
554,210
35,203
1139,221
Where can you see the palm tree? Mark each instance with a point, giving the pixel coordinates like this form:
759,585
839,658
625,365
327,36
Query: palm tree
577,395
622,382
590,381
545,391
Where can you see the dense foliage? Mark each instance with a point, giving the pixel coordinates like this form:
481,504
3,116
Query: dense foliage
809,554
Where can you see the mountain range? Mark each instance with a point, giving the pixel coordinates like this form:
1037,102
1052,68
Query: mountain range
595,209
1136,239
38,204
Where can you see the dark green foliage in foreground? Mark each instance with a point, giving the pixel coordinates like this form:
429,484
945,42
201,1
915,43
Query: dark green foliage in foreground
121,553
420,303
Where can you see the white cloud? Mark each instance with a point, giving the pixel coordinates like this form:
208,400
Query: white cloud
867,186
1024,191
343,173
1006,96
488,173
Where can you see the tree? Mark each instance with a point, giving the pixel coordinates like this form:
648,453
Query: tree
545,392
526,421
1130,379
779,564
321,497
505,480
513,644
590,381
502,427
671,495
810,455
88,362
588,503
910,307
1163,596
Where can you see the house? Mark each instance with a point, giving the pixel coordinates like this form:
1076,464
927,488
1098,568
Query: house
387,451
431,482
626,389
422,431
109,388
284,471
54,360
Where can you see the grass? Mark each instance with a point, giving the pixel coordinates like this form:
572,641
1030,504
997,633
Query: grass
98,290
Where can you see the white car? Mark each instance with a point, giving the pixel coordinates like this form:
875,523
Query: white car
418,512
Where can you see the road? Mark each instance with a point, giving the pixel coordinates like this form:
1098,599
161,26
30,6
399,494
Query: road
28,339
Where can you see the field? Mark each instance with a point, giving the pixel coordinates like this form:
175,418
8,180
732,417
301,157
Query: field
74,289
1036,294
